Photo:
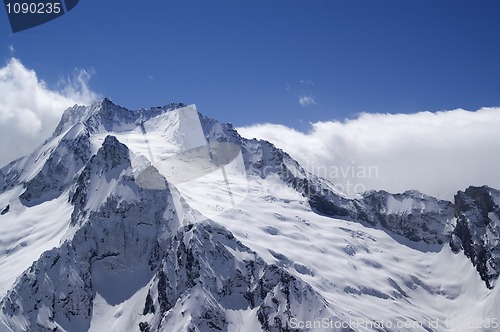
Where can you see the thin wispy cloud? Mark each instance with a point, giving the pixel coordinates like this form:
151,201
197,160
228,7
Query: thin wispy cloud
306,100
436,153
30,110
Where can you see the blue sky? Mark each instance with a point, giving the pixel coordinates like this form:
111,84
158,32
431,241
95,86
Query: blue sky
250,62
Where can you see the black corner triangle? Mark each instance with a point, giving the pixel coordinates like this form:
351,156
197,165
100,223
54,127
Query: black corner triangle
70,4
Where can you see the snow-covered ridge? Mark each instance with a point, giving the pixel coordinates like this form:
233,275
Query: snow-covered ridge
105,115
169,220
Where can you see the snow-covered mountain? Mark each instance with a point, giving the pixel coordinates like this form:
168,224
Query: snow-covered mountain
161,219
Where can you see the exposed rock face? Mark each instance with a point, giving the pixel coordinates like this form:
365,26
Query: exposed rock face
205,271
60,169
411,214
114,232
477,231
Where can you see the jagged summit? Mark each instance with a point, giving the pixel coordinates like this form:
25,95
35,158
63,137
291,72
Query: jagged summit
107,114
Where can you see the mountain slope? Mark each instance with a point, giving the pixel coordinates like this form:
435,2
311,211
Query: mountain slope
164,220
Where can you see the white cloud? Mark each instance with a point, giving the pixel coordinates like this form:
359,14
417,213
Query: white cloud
306,100
30,111
436,153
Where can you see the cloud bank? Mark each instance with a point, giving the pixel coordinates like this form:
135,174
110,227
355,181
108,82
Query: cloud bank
30,111
435,153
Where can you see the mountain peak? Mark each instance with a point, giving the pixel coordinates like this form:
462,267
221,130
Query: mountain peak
88,115
106,101
105,115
